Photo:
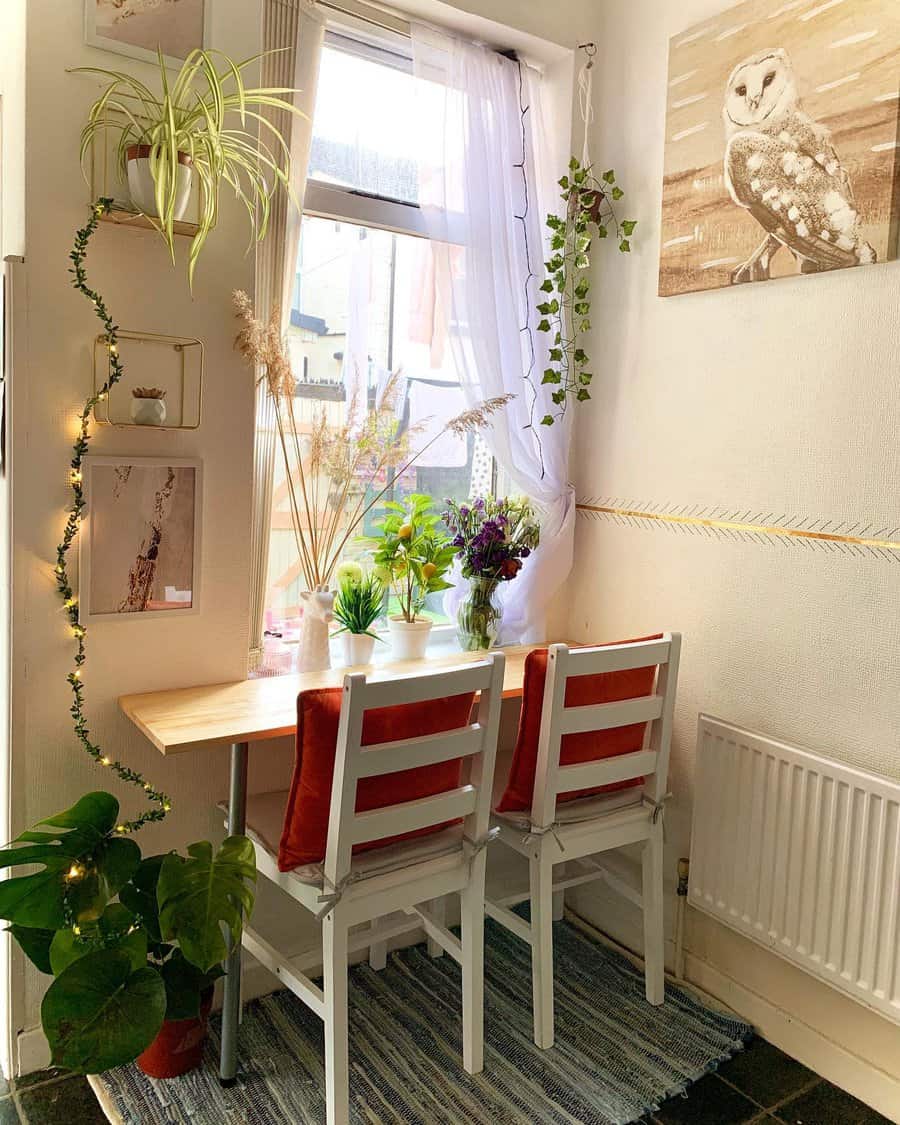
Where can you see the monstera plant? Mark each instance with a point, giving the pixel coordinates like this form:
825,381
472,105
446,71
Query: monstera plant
129,942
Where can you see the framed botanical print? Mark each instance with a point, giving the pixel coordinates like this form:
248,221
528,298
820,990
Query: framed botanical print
138,27
140,542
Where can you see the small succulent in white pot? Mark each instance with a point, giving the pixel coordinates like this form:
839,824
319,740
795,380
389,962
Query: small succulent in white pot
204,123
148,406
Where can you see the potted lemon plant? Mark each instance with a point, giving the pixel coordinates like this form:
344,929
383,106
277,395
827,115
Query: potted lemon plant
412,555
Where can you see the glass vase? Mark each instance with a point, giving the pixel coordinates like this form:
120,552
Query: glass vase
479,616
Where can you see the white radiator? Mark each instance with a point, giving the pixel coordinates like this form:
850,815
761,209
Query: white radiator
802,855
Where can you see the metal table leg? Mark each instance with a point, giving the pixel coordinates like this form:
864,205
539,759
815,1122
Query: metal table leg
231,1005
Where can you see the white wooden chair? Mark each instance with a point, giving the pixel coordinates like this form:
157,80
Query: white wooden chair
387,886
556,832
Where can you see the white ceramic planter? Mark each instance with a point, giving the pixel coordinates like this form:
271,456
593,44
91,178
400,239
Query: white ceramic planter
148,411
409,639
140,182
358,648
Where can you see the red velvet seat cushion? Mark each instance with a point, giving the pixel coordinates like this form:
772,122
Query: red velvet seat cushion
305,830
606,687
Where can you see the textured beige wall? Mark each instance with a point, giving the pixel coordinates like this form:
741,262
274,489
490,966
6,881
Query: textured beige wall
773,396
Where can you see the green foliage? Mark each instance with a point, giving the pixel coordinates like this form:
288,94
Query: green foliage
589,214
358,605
412,553
208,113
103,923
203,893
100,1012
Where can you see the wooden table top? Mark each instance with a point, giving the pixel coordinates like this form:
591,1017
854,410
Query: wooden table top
200,718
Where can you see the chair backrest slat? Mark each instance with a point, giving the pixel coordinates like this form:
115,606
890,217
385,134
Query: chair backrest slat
606,716
655,709
413,815
475,744
606,771
621,658
407,753
418,689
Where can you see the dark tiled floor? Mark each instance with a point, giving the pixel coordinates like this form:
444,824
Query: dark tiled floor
764,1086
760,1085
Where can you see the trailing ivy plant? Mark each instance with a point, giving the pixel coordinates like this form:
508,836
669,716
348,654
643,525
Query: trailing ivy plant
566,309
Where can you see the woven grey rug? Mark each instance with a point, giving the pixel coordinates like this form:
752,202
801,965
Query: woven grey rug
615,1057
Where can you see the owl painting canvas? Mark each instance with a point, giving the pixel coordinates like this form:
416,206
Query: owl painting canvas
782,143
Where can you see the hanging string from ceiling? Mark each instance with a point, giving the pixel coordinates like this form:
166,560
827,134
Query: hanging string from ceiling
586,98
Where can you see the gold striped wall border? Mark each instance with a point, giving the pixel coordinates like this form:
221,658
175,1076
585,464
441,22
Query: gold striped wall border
750,526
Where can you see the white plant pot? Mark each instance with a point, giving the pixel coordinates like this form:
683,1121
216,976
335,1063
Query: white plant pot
141,187
409,639
148,411
358,648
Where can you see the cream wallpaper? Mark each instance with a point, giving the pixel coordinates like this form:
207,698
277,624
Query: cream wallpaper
778,398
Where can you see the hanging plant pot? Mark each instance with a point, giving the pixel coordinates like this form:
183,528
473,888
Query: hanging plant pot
409,639
178,1047
143,189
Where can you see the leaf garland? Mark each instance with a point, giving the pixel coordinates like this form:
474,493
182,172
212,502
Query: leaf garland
78,254
565,311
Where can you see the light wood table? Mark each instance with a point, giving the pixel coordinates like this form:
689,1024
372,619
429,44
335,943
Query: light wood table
200,718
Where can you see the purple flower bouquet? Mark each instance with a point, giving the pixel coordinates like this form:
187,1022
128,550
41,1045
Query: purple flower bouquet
491,537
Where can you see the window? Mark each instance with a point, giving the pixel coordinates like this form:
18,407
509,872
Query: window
365,303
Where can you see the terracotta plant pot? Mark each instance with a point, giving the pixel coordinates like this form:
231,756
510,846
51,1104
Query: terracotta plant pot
409,639
178,1047
140,181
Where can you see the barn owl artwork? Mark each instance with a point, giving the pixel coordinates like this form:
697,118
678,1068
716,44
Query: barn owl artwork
781,166
782,144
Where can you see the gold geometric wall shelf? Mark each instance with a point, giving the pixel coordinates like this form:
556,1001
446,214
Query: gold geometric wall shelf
172,363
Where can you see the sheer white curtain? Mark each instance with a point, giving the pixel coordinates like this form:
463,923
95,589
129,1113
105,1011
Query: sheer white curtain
293,30
483,187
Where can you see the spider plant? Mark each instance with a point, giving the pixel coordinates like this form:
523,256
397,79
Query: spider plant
209,114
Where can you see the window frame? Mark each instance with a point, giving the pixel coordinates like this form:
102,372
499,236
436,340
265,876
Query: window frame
335,203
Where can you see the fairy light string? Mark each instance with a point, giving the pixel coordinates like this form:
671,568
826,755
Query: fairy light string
160,802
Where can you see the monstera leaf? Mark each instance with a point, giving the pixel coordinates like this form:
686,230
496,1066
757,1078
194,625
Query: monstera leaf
200,895
104,864
100,1012
185,985
35,944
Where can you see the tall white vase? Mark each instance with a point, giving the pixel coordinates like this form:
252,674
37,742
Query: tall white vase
314,651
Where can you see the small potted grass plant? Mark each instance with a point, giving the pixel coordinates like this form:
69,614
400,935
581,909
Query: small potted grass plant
412,555
358,605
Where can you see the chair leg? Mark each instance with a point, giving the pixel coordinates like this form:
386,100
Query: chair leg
542,948
559,905
377,951
654,929
472,937
337,1062
438,909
